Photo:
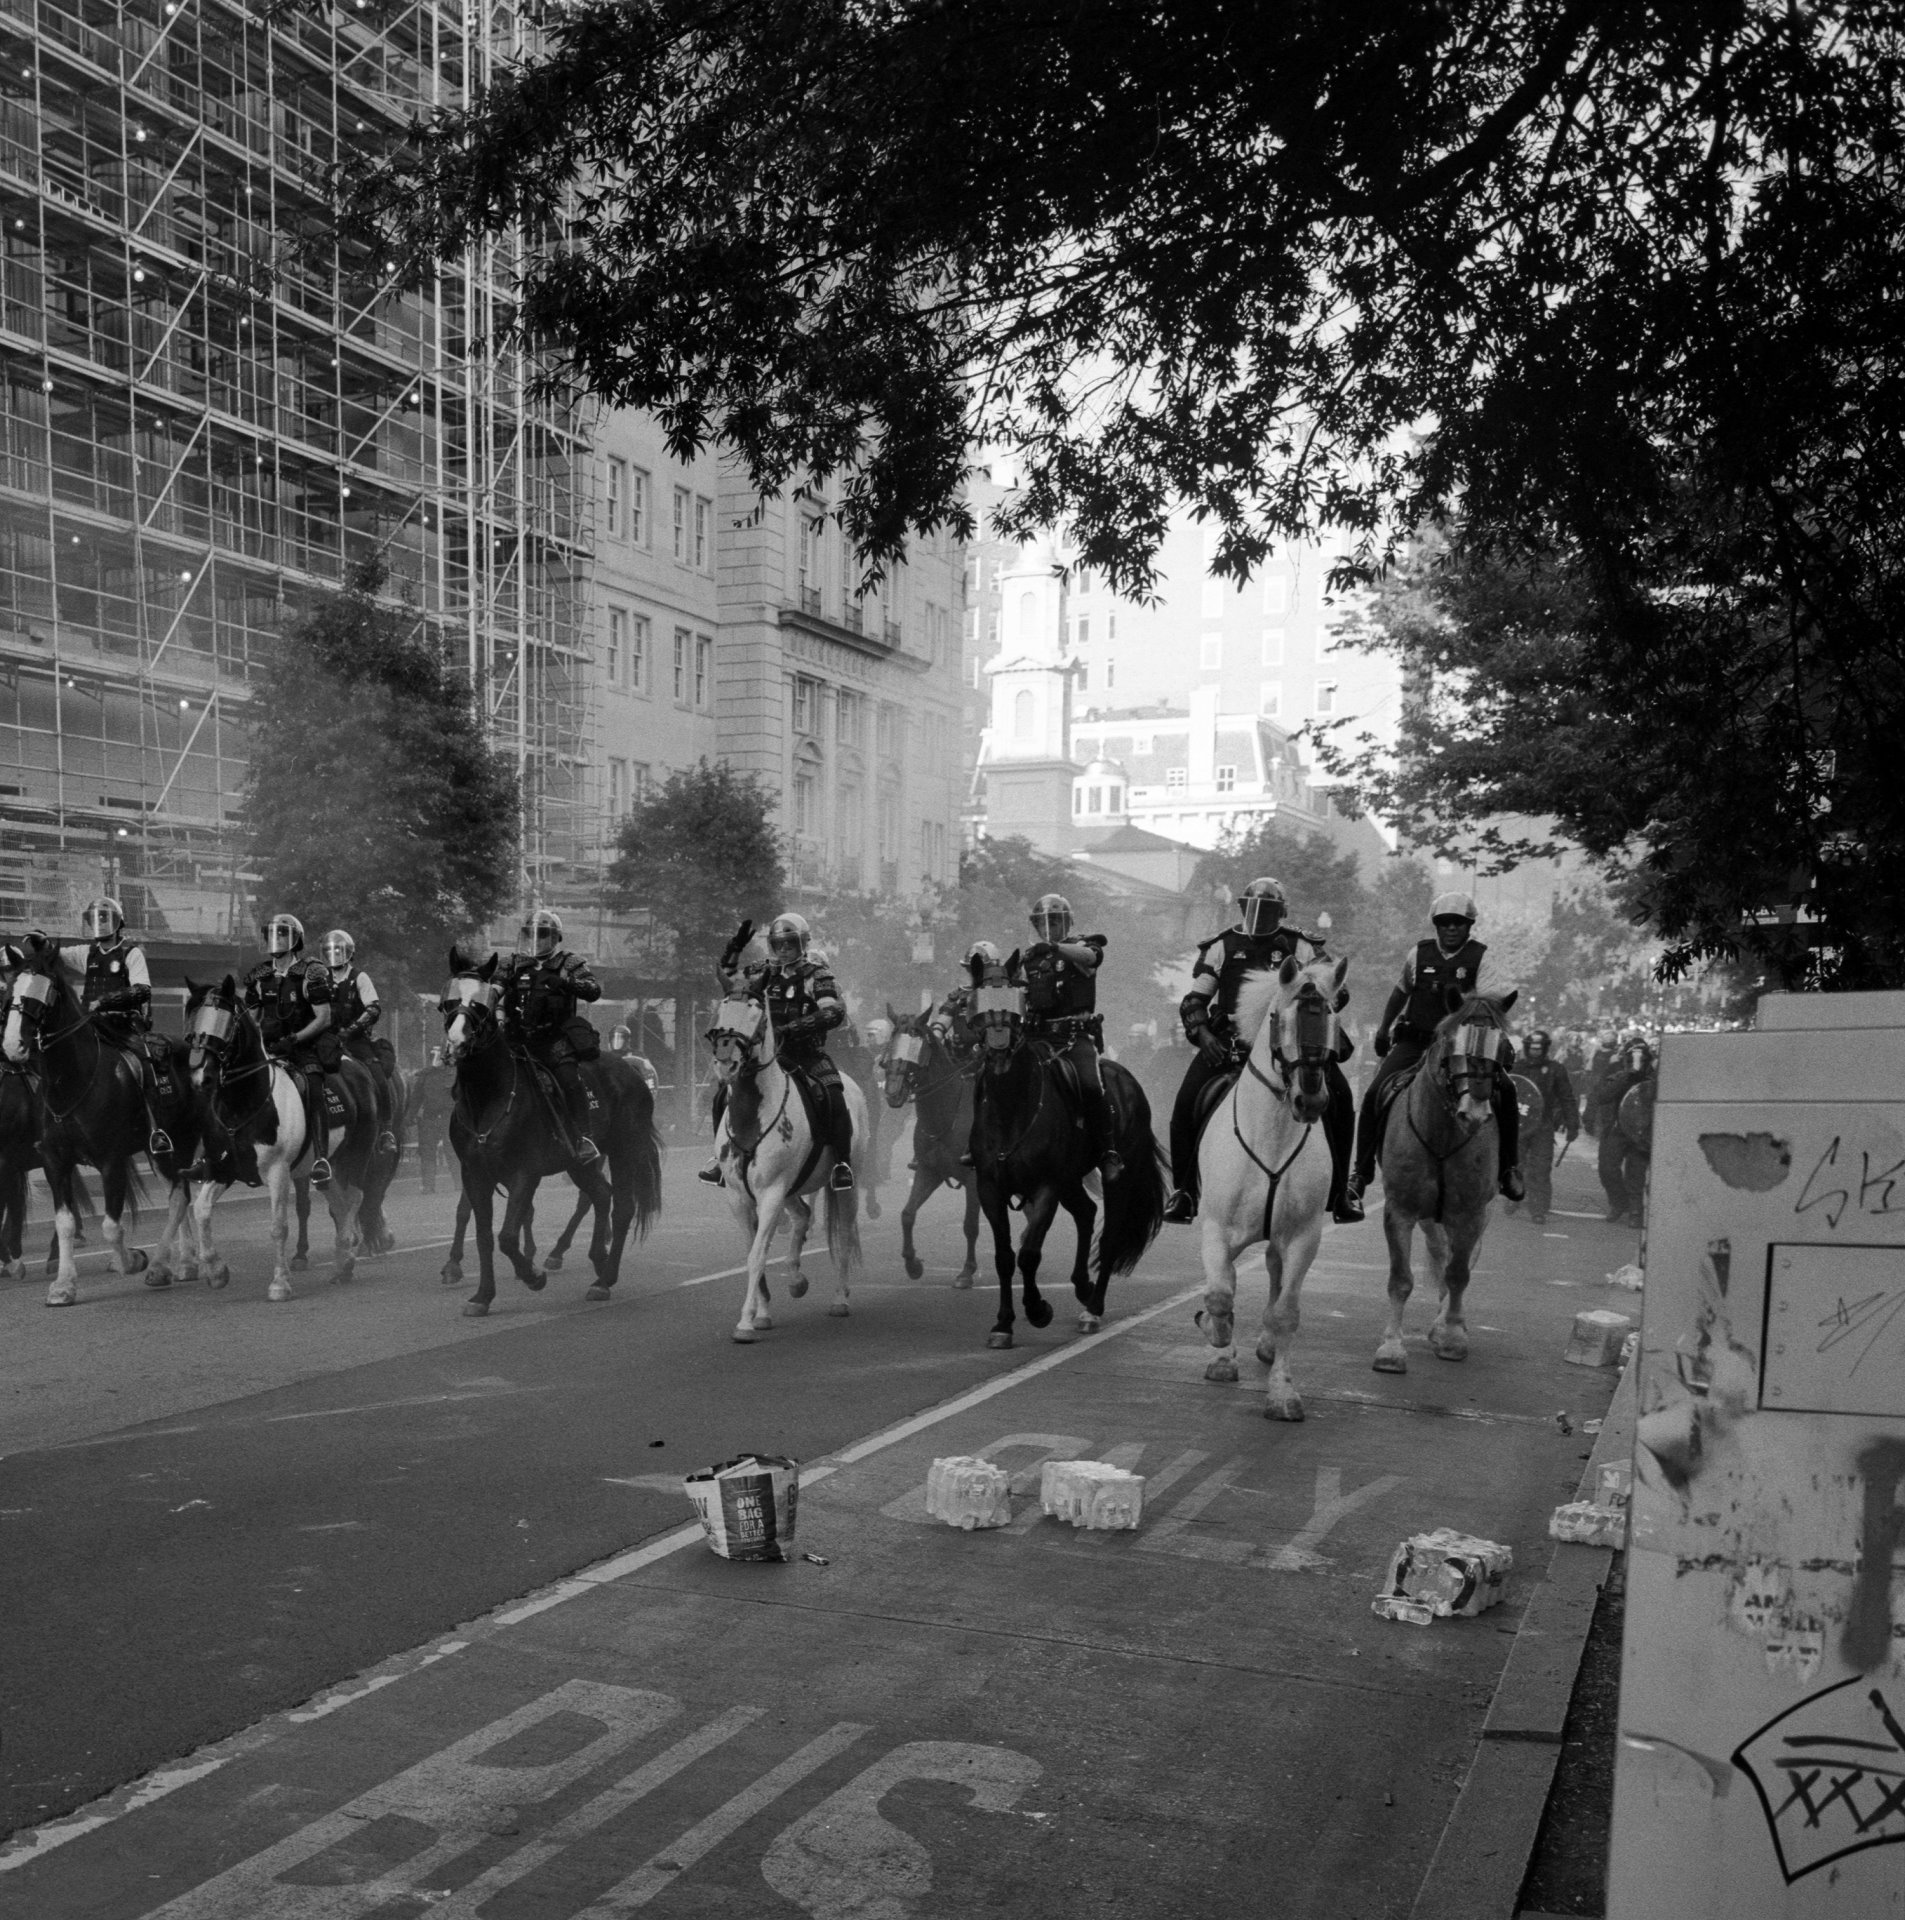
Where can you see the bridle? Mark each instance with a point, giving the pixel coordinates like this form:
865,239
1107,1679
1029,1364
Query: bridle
1310,1024
213,1026
476,1001
906,1053
736,1036
35,995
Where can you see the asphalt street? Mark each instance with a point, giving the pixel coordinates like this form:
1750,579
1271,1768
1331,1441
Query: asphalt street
219,1511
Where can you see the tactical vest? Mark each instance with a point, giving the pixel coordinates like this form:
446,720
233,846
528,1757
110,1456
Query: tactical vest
287,1001
106,972
1056,989
1436,973
347,999
796,996
1233,954
542,992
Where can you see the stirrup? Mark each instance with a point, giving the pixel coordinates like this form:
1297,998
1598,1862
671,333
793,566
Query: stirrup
966,1160
320,1172
712,1174
1180,1210
1513,1186
587,1153
1112,1165
1348,1211
840,1180
159,1141
387,1142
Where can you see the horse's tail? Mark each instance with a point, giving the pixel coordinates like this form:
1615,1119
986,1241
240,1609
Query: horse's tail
647,1174
843,1230
1134,1202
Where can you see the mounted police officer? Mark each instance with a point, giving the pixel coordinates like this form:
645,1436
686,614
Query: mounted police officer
1060,973
355,1011
541,992
1559,1110
950,1023
291,995
1436,970
118,994
804,1004
1260,939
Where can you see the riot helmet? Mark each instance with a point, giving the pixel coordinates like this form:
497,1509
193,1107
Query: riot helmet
1453,917
1540,1044
284,933
104,918
787,939
542,932
986,952
1052,916
618,1039
339,949
1262,906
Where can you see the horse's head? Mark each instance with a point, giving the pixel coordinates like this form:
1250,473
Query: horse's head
1470,1050
214,1028
471,1004
998,1011
900,1064
44,1004
743,1040
1290,1012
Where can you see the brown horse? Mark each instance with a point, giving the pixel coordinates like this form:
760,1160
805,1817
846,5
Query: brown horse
1441,1159
919,1067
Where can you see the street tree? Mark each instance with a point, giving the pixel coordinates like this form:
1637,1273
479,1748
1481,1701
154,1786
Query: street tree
373,800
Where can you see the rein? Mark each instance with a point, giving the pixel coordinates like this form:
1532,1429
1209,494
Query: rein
1433,1074
1038,1106
1279,1091
744,1152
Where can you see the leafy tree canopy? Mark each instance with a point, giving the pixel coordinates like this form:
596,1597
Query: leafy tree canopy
699,852
999,878
373,800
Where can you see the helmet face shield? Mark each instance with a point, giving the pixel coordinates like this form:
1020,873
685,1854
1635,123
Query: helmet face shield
1261,913
339,949
284,933
1052,917
103,919
787,938
543,932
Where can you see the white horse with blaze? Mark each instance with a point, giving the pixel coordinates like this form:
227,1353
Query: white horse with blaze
1265,1165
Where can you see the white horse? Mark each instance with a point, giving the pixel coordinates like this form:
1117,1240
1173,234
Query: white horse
251,1098
1265,1166
771,1162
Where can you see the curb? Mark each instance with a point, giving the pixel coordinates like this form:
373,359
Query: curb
1482,1858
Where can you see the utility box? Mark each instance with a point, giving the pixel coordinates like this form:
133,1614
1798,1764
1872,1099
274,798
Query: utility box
1761,1761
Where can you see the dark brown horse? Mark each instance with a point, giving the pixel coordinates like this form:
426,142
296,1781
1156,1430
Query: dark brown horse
919,1066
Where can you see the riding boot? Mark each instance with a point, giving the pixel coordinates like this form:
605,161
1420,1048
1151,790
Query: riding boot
1339,1129
840,1140
576,1098
1508,1126
711,1173
1367,1139
317,1128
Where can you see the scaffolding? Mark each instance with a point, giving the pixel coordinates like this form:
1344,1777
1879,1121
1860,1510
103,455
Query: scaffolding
208,418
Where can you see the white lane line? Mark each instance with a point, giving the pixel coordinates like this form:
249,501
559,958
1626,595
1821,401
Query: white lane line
155,1786
344,1696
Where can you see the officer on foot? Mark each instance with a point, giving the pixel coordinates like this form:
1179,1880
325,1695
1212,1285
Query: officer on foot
1260,939
118,994
1450,963
1559,1110
355,1010
291,996
1060,971
543,988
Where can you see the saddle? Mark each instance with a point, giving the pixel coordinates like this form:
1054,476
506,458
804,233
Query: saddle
1216,1092
1393,1089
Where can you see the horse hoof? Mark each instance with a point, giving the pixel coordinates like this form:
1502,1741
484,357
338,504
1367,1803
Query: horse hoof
553,1264
1448,1343
535,1280
797,1285
475,1309
62,1293
278,1290
744,1336
1038,1313
873,1206
137,1260
1222,1373
962,1282
1290,1407
1216,1329
1267,1351
915,1268
16,1269
597,1292
452,1273
218,1276
1390,1358
763,1323
997,1339
348,1271
1089,1323
156,1277
838,1311
299,1264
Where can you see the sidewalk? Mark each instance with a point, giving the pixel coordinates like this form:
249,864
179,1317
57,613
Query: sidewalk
1201,1717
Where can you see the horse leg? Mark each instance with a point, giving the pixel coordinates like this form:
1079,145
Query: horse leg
301,1259
1398,1229
453,1267
993,1198
1449,1256
1218,1315
346,1200
963,1279
619,1211
1283,1314
1089,1293
115,1189
1041,1209
279,1184
63,1290
520,1198
216,1273
599,1198
800,1223
754,1314
923,1184
165,1267
560,1251
479,1195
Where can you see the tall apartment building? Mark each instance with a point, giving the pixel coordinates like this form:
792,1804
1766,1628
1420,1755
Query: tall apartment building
206,423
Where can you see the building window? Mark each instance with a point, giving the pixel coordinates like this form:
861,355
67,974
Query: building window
810,563
1176,779
1111,675
1022,715
1326,696
1273,646
1028,616
681,523
1226,779
615,499
617,657
1270,698
1078,799
638,782
1084,630
704,671
638,653
887,731
1211,652
638,507
889,828
1114,799
1276,593
704,515
1096,802
805,705
618,792
1084,676
850,719
1111,626
683,639
806,796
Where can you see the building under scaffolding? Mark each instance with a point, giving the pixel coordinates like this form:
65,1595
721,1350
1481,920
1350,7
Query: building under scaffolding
212,409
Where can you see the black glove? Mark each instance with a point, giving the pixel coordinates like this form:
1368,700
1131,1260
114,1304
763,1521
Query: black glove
279,1049
1382,1042
742,935
1210,1046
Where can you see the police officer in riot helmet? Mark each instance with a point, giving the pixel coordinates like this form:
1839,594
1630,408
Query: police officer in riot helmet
355,1011
541,993
804,1004
1060,972
1260,939
290,994
951,1021
118,994
1436,970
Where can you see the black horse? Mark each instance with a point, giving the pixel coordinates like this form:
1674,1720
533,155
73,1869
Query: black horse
920,1067
503,1136
93,1113
1030,1144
